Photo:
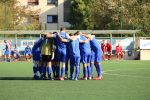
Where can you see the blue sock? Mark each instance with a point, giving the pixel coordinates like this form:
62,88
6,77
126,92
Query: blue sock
85,72
77,71
35,69
41,70
89,71
9,60
49,71
57,71
71,71
62,71
44,71
66,69
91,65
98,69
54,70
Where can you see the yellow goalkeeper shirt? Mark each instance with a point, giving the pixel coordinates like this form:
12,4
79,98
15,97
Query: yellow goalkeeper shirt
46,48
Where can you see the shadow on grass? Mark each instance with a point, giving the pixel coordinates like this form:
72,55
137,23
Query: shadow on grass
16,78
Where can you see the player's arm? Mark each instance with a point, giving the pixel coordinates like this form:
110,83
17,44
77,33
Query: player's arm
87,35
84,41
62,39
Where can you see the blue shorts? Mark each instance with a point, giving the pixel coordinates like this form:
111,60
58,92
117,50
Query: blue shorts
62,57
98,57
85,58
74,61
92,56
36,57
7,52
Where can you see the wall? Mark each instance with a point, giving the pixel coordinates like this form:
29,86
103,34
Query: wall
144,54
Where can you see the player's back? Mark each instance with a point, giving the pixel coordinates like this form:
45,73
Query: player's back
74,48
95,45
61,45
85,47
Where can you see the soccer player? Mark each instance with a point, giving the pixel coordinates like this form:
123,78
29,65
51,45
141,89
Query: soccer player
36,53
109,50
85,52
47,55
6,52
74,53
15,53
103,47
119,51
96,57
62,51
27,53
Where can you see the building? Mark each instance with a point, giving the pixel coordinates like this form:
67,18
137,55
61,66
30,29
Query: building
51,12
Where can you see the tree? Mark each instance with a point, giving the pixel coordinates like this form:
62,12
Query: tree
80,17
15,17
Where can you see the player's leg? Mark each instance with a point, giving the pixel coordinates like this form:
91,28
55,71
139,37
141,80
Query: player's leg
89,67
35,70
49,70
44,65
84,62
57,70
98,59
63,64
72,64
77,62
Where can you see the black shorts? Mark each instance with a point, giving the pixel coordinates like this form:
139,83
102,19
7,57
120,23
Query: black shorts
46,58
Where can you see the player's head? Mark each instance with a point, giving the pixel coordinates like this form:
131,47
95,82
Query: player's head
78,33
27,45
5,41
118,44
71,34
62,29
55,32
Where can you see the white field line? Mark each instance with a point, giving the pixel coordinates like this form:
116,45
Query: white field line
128,63
135,76
127,75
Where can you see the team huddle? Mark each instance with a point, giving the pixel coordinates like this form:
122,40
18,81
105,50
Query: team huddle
52,52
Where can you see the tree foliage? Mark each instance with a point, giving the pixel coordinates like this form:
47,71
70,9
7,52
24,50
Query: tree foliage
111,14
16,17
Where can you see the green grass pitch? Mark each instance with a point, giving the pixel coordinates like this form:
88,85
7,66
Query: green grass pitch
125,80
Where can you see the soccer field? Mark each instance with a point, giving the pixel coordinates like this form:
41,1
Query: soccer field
125,80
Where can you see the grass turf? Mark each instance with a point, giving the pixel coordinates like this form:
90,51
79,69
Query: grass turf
125,80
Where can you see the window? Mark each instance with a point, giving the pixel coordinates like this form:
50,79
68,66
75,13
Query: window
33,2
52,19
52,2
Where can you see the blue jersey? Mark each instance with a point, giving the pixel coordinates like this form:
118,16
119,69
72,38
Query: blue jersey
60,45
74,48
97,51
7,49
85,47
27,50
36,52
95,45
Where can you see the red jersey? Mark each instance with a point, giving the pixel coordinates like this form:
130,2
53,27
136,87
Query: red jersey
109,47
118,49
103,46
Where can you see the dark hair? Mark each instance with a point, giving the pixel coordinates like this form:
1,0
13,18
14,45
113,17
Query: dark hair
54,32
62,28
70,34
